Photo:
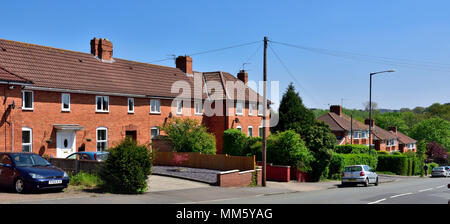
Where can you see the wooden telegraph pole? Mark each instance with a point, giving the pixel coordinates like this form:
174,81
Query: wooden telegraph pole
263,182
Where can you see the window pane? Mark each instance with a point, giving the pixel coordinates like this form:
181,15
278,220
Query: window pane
101,135
28,99
102,146
26,148
105,103
26,136
99,103
154,132
66,101
130,104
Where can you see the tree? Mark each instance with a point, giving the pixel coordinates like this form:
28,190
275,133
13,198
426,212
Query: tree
366,105
437,153
433,130
292,113
387,120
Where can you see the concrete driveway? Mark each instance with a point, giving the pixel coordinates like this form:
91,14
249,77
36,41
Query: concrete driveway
163,183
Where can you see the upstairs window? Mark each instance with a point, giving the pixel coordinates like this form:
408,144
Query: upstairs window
239,108
102,103
155,106
131,105
251,108
260,110
65,102
27,100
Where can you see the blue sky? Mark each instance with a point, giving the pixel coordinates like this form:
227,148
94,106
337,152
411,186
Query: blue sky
147,31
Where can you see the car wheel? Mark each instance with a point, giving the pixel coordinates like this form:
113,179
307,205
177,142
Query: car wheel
366,182
376,183
19,186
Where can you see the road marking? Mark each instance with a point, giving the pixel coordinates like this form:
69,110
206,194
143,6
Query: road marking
374,202
398,195
440,186
426,189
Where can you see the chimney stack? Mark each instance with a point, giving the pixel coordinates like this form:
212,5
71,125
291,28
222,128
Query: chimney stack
367,122
102,48
337,109
184,63
393,129
243,76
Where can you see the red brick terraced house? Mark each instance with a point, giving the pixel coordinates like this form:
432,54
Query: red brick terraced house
56,102
342,126
382,139
405,143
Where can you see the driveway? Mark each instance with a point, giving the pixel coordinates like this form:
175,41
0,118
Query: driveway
195,174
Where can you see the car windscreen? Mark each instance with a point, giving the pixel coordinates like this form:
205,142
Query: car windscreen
352,169
438,168
102,156
29,160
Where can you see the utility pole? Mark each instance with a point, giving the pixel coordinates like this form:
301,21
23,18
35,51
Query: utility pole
264,159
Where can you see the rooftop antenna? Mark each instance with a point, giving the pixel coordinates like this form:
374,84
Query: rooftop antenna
243,66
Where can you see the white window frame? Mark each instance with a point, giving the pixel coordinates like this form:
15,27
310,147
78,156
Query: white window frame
239,128
100,141
260,131
157,106
248,131
198,110
62,102
157,131
128,105
102,105
31,139
179,107
260,109
240,105
251,109
23,100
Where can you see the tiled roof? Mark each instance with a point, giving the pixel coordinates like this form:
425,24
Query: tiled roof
7,76
402,138
341,123
382,134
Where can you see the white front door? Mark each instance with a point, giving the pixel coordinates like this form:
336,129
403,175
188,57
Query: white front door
65,143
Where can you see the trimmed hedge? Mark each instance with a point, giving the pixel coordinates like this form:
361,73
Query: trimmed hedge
234,142
346,149
398,164
339,161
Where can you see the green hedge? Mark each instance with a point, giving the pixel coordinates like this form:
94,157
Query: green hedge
234,142
398,164
346,149
339,161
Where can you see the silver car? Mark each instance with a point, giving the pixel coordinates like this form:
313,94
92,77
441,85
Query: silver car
359,174
441,171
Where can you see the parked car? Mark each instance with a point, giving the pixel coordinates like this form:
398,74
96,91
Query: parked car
441,171
98,156
359,174
28,171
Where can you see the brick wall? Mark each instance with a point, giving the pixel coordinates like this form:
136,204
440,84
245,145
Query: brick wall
234,178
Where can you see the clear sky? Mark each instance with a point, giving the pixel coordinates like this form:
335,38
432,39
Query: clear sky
412,37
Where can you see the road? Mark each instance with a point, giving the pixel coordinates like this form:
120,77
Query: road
408,191
405,190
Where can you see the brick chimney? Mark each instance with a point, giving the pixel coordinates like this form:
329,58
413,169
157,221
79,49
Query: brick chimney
243,76
102,48
393,129
184,63
337,109
367,121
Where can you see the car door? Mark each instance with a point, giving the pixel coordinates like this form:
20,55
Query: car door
370,174
6,173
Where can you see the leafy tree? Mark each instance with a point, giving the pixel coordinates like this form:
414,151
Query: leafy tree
234,142
367,104
433,130
188,135
437,153
387,120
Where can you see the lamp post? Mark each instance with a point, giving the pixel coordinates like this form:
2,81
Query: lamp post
370,105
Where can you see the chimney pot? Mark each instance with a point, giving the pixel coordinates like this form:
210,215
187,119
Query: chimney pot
393,129
367,121
243,76
184,63
337,109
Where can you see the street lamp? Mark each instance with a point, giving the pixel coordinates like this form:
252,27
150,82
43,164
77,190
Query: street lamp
370,105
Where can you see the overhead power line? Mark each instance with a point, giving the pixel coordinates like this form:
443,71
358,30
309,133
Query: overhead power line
415,64
211,51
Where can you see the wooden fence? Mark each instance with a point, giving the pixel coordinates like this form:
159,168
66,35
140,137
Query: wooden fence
75,166
204,161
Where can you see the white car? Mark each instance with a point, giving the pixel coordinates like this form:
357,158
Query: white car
359,174
441,171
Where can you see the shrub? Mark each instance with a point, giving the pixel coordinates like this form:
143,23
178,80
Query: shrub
234,142
254,147
397,153
382,153
287,148
127,168
339,161
188,135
